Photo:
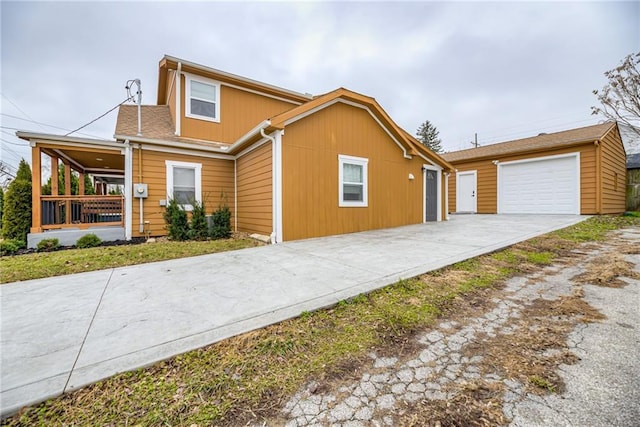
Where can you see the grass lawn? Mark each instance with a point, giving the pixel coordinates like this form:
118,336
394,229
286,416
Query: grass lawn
247,378
48,264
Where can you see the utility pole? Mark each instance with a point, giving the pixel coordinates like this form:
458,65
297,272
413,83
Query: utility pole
475,144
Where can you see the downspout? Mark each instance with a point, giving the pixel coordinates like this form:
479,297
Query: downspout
235,194
141,226
128,188
178,98
274,179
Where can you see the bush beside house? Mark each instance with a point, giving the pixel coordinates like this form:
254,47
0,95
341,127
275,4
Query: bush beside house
16,218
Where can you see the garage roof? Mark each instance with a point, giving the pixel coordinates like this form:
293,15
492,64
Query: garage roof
536,143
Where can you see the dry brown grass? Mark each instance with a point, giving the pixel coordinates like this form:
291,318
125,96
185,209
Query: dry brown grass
478,404
606,270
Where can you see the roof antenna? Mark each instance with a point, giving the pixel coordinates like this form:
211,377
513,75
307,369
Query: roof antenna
130,83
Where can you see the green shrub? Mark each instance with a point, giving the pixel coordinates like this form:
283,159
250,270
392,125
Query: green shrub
11,246
221,226
176,220
88,241
16,215
199,229
46,245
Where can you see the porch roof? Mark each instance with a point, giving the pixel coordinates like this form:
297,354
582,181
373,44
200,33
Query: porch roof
95,156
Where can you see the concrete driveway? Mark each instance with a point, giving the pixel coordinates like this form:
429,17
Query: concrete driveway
62,333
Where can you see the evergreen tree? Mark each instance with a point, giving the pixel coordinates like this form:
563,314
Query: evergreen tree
16,218
428,135
75,180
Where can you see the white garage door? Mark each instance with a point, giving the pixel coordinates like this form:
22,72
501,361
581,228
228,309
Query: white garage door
546,185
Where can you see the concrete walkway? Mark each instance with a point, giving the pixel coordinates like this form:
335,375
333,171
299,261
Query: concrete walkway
62,333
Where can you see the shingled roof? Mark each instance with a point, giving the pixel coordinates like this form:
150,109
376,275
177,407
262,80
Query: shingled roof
536,143
156,124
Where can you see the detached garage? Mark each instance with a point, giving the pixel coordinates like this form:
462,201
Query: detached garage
579,171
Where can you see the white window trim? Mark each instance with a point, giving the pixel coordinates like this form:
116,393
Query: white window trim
187,112
360,161
170,164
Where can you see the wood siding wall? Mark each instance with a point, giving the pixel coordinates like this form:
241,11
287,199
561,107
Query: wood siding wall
310,152
240,111
487,179
217,177
254,182
613,173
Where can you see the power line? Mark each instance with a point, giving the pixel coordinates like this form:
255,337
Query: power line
98,118
26,144
19,109
40,123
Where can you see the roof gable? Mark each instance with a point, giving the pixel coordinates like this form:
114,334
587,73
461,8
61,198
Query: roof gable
545,141
171,63
397,134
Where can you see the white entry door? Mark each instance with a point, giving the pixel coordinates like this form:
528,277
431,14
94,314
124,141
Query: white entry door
466,200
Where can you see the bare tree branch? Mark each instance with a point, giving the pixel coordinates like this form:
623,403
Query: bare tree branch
620,98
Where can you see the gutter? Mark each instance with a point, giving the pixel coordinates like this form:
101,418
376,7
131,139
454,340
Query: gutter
178,144
519,153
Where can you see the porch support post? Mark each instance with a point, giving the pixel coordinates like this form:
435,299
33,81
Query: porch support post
128,189
67,178
81,184
54,176
36,190
67,191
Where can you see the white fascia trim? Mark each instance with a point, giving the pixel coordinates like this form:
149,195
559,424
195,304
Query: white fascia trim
438,171
353,104
252,147
128,189
192,153
187,105
475,189
173,144
431,162
256,130
575,154
236,77
260,93
72,141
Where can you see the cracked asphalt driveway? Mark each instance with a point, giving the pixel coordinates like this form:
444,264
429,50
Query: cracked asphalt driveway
557,347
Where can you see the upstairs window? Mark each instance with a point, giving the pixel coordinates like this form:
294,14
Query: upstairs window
203,99
184,183
353,180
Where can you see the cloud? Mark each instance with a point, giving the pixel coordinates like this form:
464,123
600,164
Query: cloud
499,69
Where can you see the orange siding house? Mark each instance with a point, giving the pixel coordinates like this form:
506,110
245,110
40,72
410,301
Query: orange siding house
579,171
289,165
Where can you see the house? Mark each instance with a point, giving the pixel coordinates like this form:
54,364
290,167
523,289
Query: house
578,171
288,165
631,140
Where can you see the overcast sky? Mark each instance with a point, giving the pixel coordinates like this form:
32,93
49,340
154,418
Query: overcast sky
503,70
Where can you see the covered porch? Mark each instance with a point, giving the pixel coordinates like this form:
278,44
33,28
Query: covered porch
77,188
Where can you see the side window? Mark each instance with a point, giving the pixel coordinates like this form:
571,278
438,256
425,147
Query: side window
203,99
184,183
353,181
